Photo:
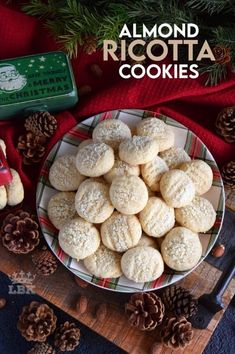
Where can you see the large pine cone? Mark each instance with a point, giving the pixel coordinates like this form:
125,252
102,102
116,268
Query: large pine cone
32,147
225,124
45,262
41,123
145,311
36,322
67,337
179,301
177,332
228,174
42,348
20,232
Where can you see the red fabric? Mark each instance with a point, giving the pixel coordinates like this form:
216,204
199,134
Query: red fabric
187,101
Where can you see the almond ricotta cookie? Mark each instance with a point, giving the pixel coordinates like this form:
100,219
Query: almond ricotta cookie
104,263
198,216
128,194
138,150
156,128
157,218
121,232
3,146
200,173
61,208
121,168
15,190
142,264
64,175
85,143
79,238
95,159
153,171
177,188
92,201
174,157
3,197
181,249
111,132
147,241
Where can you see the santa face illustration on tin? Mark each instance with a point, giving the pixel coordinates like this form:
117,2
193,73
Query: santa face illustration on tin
11,79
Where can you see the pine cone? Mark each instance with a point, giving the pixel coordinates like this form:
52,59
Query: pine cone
225,124
45,262
20,232
42,348
41,123
177,332
145,311
228,174
180,301
36,322
90,44
67,337
32,147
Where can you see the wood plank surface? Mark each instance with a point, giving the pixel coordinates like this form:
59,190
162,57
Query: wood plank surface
61,290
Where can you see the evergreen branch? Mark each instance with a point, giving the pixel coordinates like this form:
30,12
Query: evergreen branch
210,6
42,9
216,73
224,35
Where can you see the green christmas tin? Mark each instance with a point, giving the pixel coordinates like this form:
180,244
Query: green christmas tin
36,82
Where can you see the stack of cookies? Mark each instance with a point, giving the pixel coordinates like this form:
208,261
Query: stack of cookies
128,204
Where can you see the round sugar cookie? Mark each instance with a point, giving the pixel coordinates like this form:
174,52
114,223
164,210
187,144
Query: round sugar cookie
104,263
79,238
15,190
64,175
3,147
138,150
3,197
153,171
142,264
157,218
174,157
111,132
181,249
200,173
95,159
61,208
128,194
198,216
92,201
177,188
85,143
156,128
147,241
121,232
121,168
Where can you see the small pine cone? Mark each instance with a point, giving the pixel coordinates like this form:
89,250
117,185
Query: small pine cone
90,44
176,332
228,174
36,322
67,337
179,301
20,232
225,124
41,123
45,262
145,311
32,148
42,348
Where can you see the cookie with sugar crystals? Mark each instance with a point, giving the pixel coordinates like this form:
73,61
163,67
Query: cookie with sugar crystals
85,143
61,208
174,157
147,241
157,218
79,238
3,147
121,168
128,194
64,175
142,264
111,132
177,188
181,249
200,173
3,197
153,171
104,263
156,128
198,216
95,159
121,232
92,201
15,190
138,150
